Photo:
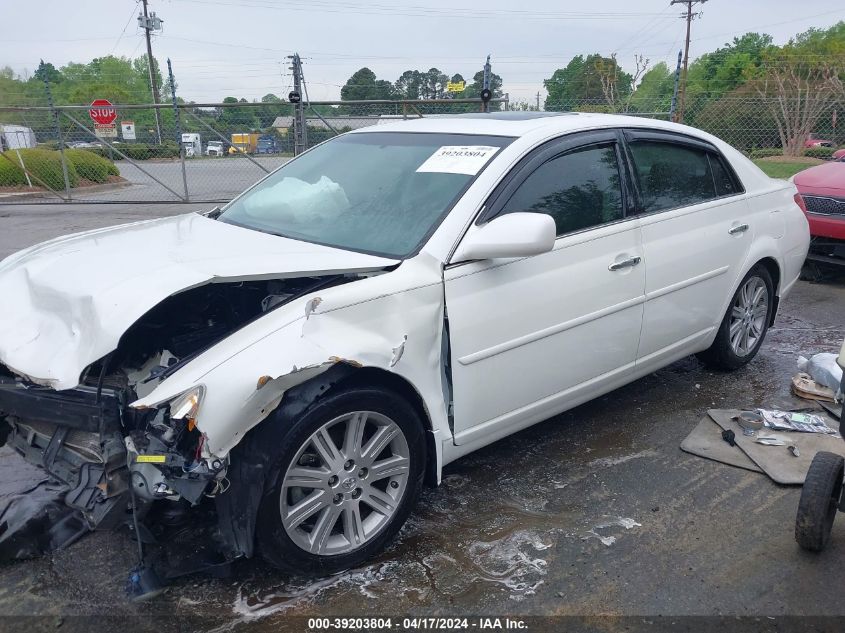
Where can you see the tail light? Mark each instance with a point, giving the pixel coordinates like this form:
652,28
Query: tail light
799,200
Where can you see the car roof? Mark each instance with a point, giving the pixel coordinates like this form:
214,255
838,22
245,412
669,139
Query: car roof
518,124
536,127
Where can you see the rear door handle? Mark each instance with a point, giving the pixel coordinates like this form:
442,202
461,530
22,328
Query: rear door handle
625,263
739,228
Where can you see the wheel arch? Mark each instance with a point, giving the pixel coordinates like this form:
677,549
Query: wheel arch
237,510
773,268
381,378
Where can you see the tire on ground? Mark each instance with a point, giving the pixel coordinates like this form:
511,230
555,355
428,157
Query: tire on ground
819,501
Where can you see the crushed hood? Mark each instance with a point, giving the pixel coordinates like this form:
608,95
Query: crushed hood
67,302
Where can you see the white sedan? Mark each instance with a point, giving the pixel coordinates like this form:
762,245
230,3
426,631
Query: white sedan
382,305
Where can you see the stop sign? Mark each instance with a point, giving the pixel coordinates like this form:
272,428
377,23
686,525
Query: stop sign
102,112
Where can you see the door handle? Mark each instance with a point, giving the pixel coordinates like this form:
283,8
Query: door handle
625,263
739,228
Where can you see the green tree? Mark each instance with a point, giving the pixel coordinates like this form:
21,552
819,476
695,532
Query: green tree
236,119
274,107
363,84
592,82
654,92
802,81
409,84
47,72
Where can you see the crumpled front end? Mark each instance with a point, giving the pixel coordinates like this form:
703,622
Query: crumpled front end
157,417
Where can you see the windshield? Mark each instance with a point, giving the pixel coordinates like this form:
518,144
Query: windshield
376,192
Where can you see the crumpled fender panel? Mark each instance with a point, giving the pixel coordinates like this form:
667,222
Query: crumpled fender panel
67,302
392,321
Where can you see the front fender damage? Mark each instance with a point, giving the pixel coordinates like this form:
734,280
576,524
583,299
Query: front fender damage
365,325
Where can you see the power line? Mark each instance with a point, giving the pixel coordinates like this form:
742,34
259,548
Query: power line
421,11
125,26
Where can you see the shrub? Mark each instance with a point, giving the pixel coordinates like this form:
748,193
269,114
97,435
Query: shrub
91,166
138,151
765,152
819,152
46,168
10,172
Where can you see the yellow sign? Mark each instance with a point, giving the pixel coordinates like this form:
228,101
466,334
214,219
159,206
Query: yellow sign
151,459
456,87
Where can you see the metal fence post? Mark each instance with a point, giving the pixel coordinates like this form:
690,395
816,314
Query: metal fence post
179,129
55,116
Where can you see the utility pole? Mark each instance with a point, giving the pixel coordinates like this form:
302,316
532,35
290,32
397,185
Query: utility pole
300,132
486,94
538,101
150,22
674,107
679,115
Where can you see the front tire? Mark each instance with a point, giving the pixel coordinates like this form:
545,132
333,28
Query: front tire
745,324
347,475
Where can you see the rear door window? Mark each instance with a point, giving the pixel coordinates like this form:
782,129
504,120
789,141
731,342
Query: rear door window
672,175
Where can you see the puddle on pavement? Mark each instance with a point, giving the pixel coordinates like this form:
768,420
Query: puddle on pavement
459,547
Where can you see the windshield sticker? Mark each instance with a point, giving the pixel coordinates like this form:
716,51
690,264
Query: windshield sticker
458,159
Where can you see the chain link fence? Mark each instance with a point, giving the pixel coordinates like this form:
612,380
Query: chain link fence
210,152
756,125
206,152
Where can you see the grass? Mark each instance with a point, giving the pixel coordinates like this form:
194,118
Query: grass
785,166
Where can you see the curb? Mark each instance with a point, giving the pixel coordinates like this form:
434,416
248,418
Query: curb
104,188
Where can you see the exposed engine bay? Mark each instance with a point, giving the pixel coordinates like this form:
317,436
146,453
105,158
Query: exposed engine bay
115,459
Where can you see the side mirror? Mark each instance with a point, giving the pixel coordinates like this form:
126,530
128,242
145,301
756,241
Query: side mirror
511,235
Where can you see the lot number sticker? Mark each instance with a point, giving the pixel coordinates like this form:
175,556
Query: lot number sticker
458,159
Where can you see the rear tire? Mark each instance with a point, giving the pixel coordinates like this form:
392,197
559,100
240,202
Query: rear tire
745,323
363,497
819,501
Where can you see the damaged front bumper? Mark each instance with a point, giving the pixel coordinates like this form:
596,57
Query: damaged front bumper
103,452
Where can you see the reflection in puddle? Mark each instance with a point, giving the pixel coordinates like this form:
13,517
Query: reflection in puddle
616,522
511,561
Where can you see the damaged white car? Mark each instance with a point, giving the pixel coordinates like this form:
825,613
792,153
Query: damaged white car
389,301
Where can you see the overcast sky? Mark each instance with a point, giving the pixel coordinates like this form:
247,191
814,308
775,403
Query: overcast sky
230,47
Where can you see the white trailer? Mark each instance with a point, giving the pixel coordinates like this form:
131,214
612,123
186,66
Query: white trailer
192,143
16,136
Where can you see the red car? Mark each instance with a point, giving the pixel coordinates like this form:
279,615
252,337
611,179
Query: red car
822,190
839,154
813,140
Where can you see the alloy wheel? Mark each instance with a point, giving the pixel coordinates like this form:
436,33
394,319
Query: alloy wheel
345,483
748,316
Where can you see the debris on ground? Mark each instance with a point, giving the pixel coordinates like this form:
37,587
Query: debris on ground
824,371
784,456
797,421
805,387
37,521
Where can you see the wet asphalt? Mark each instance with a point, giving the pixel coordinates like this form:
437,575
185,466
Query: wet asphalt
594,512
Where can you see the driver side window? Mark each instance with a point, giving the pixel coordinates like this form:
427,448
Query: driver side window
579,189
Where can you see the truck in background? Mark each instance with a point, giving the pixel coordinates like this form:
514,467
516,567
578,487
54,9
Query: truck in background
215,148
268,144
192,144
246,142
